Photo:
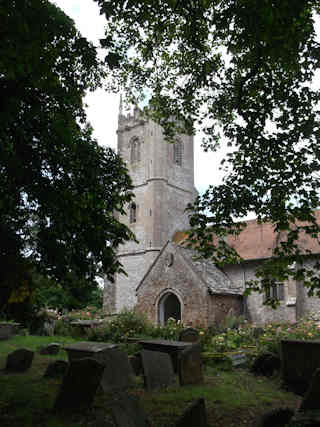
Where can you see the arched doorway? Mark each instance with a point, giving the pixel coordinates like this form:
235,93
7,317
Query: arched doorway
169,306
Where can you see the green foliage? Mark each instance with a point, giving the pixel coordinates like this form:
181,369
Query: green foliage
59,190
242,72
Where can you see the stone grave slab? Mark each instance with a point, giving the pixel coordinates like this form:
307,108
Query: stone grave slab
173,348
91,349
118,373
57,368
194,415
311,400
158,369
19,360
190,365
127,412
79,385
189,335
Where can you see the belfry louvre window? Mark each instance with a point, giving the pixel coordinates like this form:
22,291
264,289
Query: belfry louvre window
275,292
135,154
177,152
133,213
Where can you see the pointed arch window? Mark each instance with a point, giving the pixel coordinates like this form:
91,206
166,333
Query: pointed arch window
135,147
177,152
133,213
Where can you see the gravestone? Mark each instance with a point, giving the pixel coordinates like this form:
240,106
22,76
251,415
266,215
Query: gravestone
311,399
56,369
52,348
79,385
194,415
118,373
276,418
19,360
136,363
189,335
299,360
7,329
158,369
190,365
266,364
127,412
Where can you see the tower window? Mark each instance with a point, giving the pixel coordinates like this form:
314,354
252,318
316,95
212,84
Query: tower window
135,154
133,213
177,152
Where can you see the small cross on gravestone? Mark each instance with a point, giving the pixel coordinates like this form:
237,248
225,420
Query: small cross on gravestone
79,385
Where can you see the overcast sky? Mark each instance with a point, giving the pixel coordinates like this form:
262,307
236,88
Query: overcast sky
103,107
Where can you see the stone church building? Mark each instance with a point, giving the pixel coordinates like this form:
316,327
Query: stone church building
163,278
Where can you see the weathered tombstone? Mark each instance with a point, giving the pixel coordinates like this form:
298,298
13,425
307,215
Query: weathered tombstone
190,365
52,348
19,360
299,360
157,368
189,335
7,329
311,399
79,385
194,415
276,418
56,369
266,364
127,412
136,363
118,373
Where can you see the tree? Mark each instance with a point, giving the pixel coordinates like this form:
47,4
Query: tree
242,71
59,190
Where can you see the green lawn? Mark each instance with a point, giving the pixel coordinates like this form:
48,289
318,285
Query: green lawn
234,398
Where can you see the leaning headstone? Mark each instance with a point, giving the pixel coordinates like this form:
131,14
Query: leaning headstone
57,368
52,348
118,373
189,335
158,369
127,412
311,399
190,365
136,363
19,360
79,385
276,418
194,415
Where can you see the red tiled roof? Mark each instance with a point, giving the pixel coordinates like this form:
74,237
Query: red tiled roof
257,241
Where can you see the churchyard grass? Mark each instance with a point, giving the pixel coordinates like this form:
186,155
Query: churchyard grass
232,397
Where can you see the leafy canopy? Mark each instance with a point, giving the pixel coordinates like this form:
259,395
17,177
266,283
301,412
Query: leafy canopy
59,190
242,71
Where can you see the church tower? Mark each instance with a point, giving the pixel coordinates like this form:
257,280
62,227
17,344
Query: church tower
163,179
